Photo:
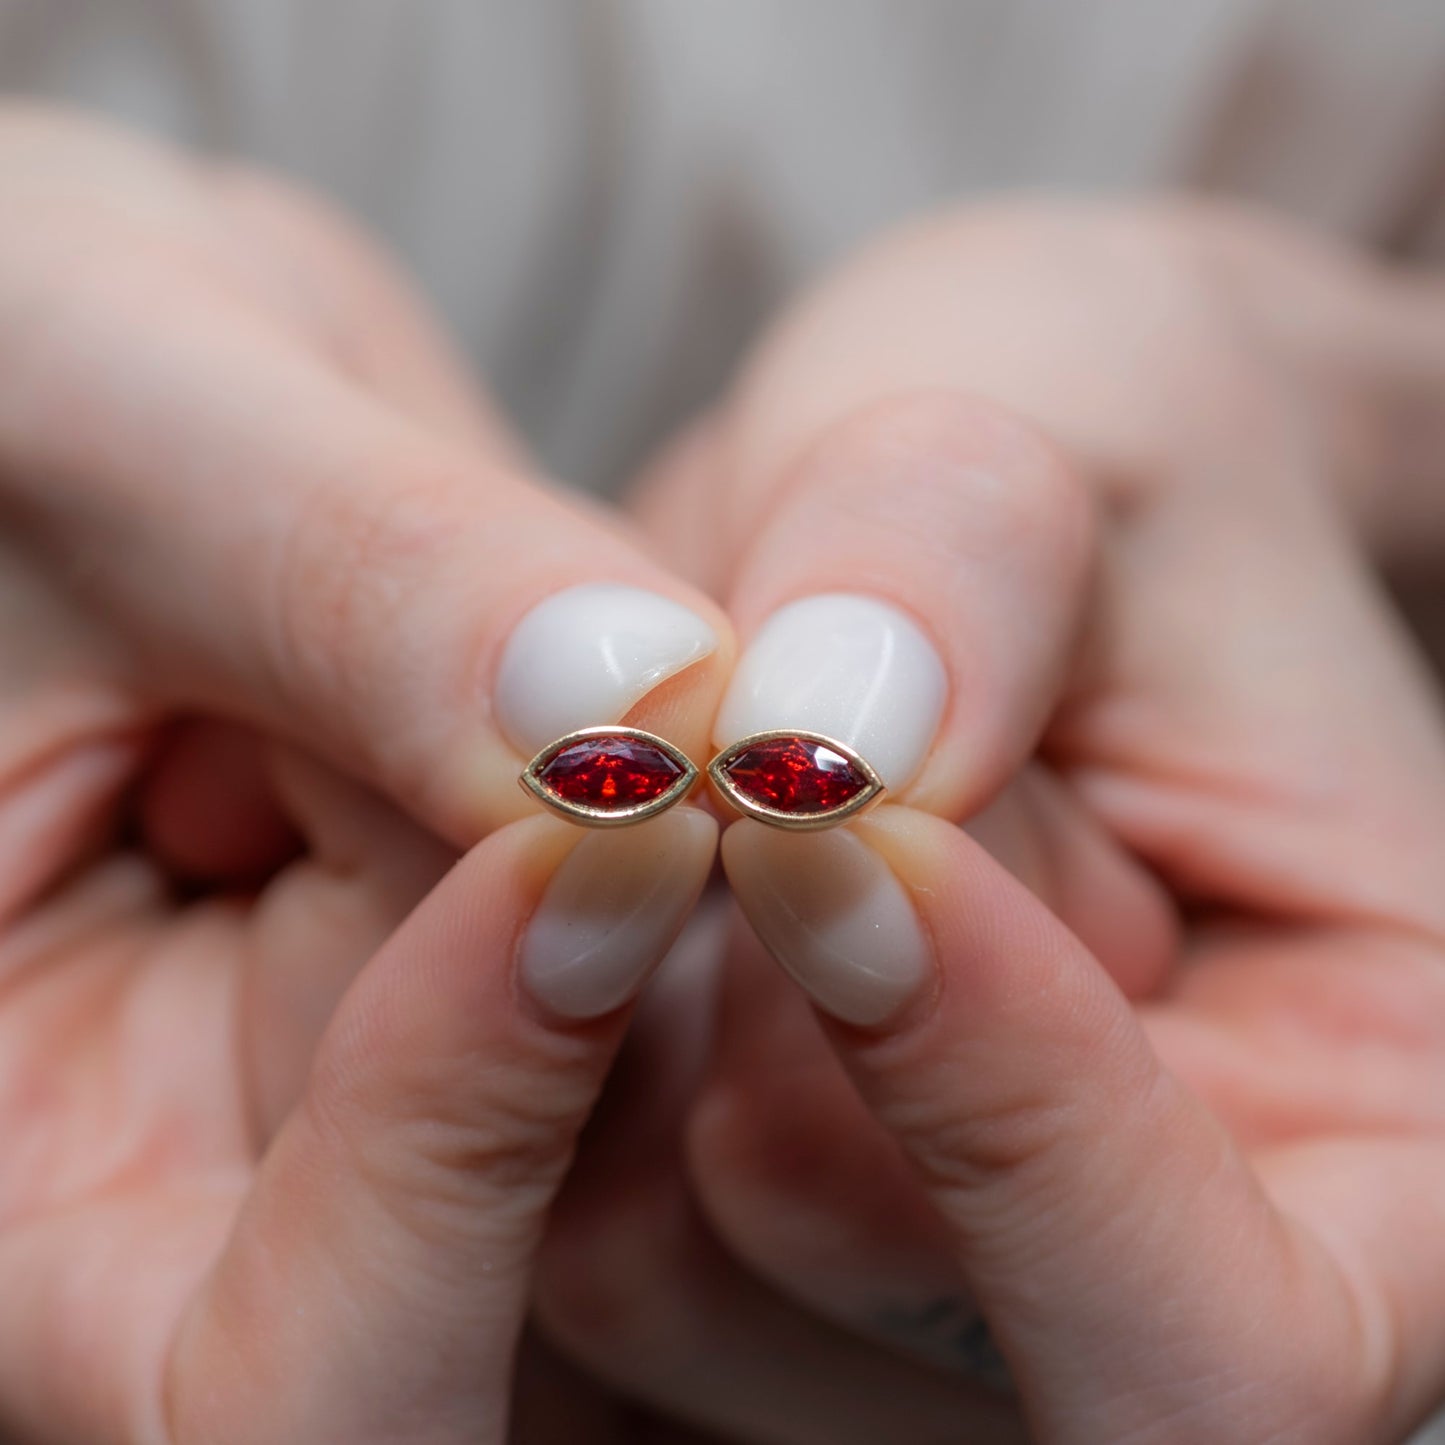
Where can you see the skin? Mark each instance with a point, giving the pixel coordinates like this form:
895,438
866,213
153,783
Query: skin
281,1131
1170,1115
1127,1083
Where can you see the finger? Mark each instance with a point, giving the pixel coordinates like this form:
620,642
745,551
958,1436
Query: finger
365,867
1368,335
797,1178
645,1299
1116,1242
70,736
957,302
276,544
636,1289
1380,1205
917,591
1232,735
675,501
804,1188
1257,743
377,328
1038,830
382,1263
1320,1032
207,808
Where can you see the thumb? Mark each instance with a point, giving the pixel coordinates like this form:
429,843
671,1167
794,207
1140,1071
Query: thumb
1132,1271
244,527
376,1281
420,615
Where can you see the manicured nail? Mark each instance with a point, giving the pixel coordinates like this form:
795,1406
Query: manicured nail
833,914
612,911
586,655
852,668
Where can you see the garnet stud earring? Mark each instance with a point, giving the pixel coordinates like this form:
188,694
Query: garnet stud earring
605,777
795,779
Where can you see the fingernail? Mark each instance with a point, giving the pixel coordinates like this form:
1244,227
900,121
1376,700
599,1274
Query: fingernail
612,910
850,667
833,914
586,655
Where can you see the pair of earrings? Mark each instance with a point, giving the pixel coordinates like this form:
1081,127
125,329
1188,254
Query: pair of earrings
605,777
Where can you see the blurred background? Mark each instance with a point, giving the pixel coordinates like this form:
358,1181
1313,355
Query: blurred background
605,198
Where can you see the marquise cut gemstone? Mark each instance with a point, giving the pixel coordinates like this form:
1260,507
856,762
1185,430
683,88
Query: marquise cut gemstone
795,775
610,772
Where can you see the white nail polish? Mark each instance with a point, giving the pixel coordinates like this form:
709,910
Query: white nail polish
850,667
585,655
833,913
612,911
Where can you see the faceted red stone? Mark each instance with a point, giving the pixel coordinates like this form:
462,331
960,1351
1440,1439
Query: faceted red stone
609,772
794,775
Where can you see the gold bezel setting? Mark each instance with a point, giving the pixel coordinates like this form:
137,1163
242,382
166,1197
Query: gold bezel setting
859,803
590,816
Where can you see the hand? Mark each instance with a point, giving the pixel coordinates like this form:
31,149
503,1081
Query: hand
283,614
1172,1117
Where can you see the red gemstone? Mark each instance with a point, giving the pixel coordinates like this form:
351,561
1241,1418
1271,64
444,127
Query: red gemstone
609,772
795,775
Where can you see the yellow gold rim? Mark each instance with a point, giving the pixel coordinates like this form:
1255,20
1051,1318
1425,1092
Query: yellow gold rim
860,803
588,816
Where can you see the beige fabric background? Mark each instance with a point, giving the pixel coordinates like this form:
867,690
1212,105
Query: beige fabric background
604,197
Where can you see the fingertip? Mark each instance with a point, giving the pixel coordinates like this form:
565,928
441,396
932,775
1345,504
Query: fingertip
1010,972
612,910
392,1234
965,529
833,914
585,655
589,654
852,667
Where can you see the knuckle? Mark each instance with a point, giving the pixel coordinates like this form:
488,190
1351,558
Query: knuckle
451,1147
1015,1149
1017,1138
996,1176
